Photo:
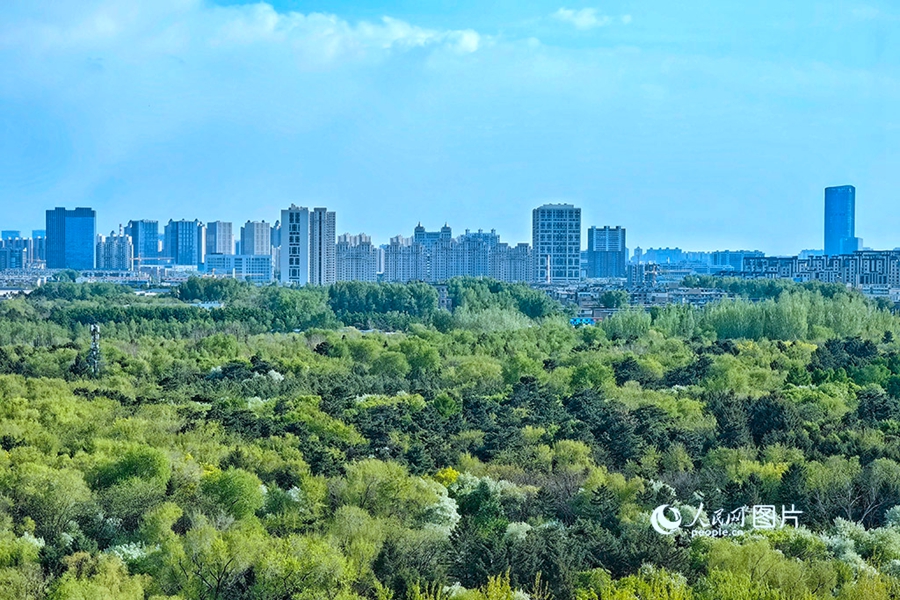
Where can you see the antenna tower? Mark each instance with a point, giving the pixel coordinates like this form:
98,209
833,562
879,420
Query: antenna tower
94,355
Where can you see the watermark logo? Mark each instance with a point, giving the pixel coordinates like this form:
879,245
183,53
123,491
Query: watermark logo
725,524
662,524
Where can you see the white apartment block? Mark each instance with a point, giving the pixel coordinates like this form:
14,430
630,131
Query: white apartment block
405,261
219,238
556,243
256,238
322,267
356,258
115,252
514,264
294,264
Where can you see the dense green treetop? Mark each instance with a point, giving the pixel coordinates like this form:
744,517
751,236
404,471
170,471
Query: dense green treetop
359,442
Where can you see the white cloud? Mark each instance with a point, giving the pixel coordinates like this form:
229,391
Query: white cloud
584,19
317,37
260,22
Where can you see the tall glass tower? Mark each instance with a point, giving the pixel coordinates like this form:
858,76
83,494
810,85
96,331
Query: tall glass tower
71,235
184,243
840,219
145,238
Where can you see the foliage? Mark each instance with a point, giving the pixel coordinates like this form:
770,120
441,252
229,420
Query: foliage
359,442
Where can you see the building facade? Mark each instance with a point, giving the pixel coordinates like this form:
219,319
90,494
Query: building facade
436,256
860,269
294,264
840,220
514,264
732,260
13,258
145,240
71,235
256,238
245,267
556,243
405,261
276,235
23,253
322,266
115,252
606,252
356,259
219,238
184,243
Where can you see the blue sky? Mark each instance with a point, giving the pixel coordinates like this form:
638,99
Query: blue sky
701,124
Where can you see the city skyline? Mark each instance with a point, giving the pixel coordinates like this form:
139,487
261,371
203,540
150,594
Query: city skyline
585,226
313,254
707,126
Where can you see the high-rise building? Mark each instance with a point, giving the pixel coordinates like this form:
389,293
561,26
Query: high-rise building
13,258
276,234
556,243
606,252
429,238
38,233
436,256
405,261
39,250
840,220
115,252
70,238
10,234
145,241
356,259
513,263
294,265
322,268
185,243
468,255
256,238
21,252
219,238
638,256
379,257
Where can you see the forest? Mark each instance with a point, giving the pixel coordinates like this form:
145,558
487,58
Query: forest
358,442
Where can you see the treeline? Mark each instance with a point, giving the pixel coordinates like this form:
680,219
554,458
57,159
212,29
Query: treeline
478,454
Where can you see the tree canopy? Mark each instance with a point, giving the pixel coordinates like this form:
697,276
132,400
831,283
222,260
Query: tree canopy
358,441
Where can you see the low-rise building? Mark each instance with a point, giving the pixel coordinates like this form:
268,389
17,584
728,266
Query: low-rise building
246,267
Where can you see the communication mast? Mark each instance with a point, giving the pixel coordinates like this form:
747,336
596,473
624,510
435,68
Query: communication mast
94,355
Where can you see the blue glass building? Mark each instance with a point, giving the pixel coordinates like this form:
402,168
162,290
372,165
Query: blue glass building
606,252
145,238
184,243
71,235
840,219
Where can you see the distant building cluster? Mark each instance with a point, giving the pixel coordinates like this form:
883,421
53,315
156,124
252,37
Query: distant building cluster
860,269
303,248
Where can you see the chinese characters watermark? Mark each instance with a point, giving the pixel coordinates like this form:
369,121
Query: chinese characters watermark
667,520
